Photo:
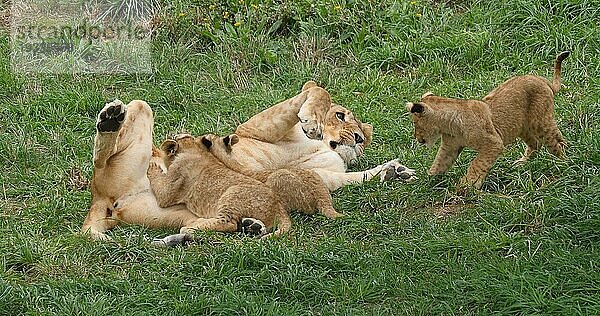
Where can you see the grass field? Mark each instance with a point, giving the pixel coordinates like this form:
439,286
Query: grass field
528,243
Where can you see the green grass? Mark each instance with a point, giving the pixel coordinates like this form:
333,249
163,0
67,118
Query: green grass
528,243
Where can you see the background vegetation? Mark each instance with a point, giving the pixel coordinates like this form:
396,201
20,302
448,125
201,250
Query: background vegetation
528,243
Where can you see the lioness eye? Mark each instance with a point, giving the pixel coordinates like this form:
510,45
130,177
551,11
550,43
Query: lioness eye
340,116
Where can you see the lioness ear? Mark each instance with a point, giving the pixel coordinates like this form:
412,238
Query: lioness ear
368,132
416,108
206,142
309,84
169,146
231,140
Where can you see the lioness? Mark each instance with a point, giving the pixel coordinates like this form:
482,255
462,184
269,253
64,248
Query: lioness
271,140
521,107
308,131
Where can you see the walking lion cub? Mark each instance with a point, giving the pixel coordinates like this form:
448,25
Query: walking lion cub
222,197
522,107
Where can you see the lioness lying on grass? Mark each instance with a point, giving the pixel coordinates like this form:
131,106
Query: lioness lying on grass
522,107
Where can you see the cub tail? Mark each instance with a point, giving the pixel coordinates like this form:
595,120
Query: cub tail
555,86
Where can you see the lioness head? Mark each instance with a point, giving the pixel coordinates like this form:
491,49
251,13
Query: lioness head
426,129
345,134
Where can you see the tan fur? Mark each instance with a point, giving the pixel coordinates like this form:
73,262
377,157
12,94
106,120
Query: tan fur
122,153
272,139
307,131
298,189
217,195
522,107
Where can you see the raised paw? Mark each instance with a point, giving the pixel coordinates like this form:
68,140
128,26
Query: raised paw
173,240
252,227
310,125
111,117
394,170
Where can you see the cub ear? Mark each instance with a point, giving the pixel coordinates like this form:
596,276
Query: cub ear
206,142
231,140
416,108
169,146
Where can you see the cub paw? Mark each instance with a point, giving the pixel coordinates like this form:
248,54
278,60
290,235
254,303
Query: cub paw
252,227
154,169
394,170
111,117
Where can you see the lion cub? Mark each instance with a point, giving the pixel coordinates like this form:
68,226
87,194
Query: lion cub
522,107
299,189
219,196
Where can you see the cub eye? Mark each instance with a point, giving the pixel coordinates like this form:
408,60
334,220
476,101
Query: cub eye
340,116
303,121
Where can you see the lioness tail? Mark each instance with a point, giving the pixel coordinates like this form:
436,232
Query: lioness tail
555,86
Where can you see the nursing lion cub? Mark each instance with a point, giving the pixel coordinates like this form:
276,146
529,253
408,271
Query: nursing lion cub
222,197
298,189
522,107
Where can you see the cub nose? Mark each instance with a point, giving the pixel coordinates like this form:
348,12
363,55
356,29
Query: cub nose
333,144
358,139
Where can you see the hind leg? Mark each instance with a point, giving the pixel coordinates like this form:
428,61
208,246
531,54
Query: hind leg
544,126
324,202
124,132
555,142
481,165
283,222
533,144
237,202
143,209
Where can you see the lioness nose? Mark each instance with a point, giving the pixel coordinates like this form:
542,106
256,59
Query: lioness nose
358,139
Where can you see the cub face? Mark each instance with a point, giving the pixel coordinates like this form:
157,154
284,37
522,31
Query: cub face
426,130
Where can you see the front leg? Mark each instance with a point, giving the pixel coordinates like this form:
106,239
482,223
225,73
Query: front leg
445,157
480,166
165,188
271,125
388,171
313,110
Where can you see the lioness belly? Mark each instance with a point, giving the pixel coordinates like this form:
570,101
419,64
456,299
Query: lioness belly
308,154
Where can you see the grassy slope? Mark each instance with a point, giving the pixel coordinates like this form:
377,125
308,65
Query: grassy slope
527,243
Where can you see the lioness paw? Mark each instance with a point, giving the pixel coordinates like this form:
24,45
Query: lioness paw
252,227
394,170
310,125
111,117
173,240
